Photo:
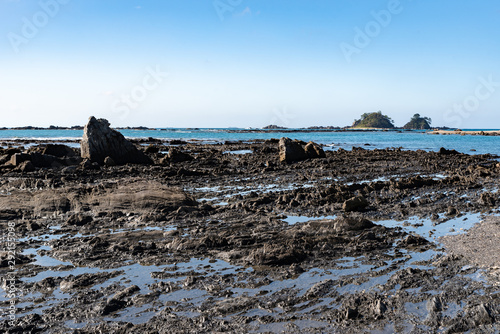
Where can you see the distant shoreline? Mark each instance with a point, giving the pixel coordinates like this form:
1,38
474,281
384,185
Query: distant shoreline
465,132
143,128
435,131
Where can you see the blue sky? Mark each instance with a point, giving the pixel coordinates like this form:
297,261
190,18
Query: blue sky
243,63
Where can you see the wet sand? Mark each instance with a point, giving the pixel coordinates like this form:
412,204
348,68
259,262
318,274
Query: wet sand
225,238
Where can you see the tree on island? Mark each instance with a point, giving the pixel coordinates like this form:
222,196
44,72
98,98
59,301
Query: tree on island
418,123
374,120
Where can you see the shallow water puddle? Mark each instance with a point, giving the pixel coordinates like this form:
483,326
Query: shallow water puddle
134,274
434,177
418,310
125,230
428,228
227,192
34,306
378,179
238,152
135,315
43,260
350,267
292,220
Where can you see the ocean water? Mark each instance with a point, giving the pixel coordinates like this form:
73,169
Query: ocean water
408,140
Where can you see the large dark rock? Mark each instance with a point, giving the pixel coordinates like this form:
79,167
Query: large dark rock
444,151
100,141
58,150
291,150
44,160
294,150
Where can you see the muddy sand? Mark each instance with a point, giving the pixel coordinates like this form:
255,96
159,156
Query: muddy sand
226,238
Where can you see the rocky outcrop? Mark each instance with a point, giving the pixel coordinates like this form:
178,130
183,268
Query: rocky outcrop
444,151
293,150
40,160
100,141
273,127
314,151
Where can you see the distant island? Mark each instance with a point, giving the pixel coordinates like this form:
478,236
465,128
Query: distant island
418,123
273,127
373,120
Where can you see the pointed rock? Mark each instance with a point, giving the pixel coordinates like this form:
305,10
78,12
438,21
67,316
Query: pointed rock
100,141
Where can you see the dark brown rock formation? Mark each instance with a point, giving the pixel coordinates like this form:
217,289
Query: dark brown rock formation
100,141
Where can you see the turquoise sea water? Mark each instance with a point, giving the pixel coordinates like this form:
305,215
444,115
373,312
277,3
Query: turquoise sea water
411,140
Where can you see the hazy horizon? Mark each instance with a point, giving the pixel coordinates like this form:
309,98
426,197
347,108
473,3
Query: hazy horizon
241,63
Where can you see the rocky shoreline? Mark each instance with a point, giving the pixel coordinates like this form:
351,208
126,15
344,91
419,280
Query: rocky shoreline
266,129
466,133
228,237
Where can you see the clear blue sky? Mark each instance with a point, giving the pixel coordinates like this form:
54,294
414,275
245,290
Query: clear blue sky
248,63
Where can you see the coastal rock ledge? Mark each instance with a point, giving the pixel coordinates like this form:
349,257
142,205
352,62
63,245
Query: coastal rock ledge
100,141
